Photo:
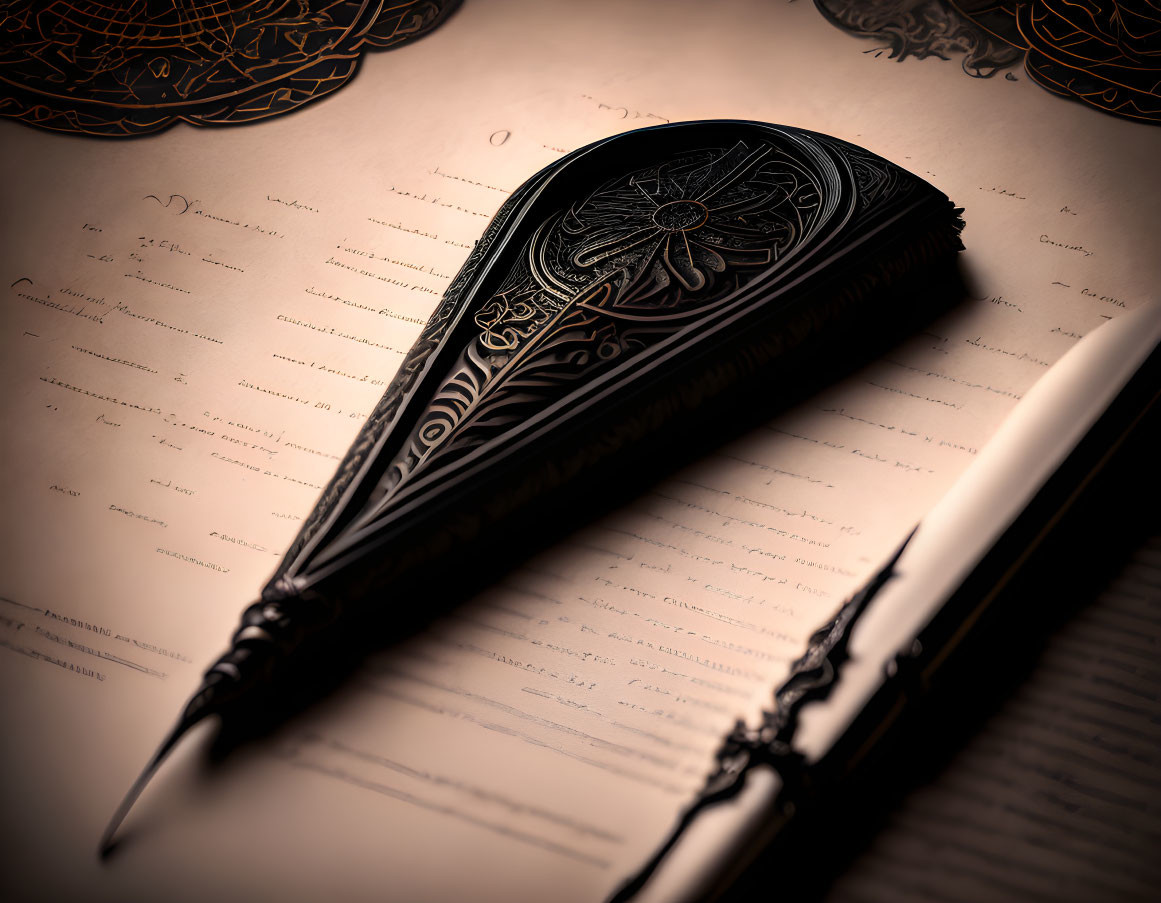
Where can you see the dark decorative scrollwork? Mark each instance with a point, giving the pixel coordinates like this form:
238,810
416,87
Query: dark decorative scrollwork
609,279
1104,54
812,676
120,69
923,28
613,291
1107,55
646,255
584,279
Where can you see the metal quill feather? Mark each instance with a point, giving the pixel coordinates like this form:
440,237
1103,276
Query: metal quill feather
620,288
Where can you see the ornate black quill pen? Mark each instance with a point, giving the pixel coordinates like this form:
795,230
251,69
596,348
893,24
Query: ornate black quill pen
622,287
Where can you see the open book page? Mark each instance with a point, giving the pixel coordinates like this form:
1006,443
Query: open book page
196,323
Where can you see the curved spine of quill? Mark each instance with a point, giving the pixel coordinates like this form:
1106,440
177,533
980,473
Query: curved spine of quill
625,285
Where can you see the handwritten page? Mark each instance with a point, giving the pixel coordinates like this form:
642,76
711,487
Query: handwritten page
196,323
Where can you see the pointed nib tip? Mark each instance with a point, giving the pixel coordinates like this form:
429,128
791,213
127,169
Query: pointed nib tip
108,841
109,837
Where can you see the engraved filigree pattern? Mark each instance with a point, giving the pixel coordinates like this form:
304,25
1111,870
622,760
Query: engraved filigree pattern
1104,54
639,262
577,326
128,68
923,28
393,398
609,277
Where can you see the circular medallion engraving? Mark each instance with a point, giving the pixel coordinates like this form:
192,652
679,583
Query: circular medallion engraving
681,216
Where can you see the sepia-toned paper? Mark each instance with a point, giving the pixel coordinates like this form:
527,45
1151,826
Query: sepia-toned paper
195,324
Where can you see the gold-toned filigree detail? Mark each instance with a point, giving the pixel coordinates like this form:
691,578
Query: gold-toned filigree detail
119,69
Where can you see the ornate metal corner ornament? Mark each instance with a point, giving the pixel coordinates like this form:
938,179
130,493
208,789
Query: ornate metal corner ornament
119,68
